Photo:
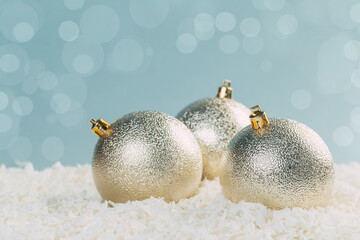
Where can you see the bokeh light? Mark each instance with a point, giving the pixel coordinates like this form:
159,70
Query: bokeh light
6,123
186,43
68,31
4,100
74,4
53,148
148,14
343,136
287,24
250,27
21,150
225,22
127,55
22,106
47,80
60,103
301,99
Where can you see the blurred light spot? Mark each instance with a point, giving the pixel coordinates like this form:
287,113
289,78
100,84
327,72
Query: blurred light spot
100,22
60,103
274,5
287,24
266,66
6,123
83,48
352,50
18,22
29,85
74,4
355,78
225,22
250,27
83,64
186,25
46,80
186,43
149,14
22,106
4,100
300,99
52,148
204,35
204,22
343,136
355,13
339,12
229,44
334,69
253,45
259,5
9,63
23,32
21,150
68,31
355,115
74,116
313,12
128,55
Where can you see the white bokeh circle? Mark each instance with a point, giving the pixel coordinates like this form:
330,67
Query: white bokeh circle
21,150
355,78
229,44
60,103
225,21
23,32
250,27
287,24
83,64
186,43
83,48
301,99
22,106
352,50
149,14
9,63
68,31
52,148
253,45
100,22
274,5
340,13
46,80
74,4
343,136
127,55
355,13
355,115
204,22
12,64
4,100
6,123
19,22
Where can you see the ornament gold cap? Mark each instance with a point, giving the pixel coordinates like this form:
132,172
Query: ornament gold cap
225,91
258,118
101,127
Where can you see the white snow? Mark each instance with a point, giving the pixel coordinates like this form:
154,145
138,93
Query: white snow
63,203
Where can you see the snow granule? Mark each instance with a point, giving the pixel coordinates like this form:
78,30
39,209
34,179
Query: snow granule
63,203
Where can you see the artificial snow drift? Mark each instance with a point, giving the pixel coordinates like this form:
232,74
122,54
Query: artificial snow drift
62,203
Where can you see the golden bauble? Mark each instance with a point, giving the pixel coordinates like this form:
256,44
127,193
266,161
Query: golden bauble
214,122
146,154
285,164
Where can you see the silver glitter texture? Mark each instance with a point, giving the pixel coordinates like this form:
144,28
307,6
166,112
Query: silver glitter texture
214,122
148,154
288,165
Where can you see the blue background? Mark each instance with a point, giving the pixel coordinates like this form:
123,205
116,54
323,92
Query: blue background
62,62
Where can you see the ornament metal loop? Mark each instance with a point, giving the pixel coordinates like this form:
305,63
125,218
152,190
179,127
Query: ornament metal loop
258,118
100,127
225,91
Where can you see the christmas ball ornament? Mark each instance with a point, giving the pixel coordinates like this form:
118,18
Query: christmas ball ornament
277,162
145,154
214,122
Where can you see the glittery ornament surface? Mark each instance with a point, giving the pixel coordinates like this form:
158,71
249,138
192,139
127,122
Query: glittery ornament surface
287,165
148,154
214,121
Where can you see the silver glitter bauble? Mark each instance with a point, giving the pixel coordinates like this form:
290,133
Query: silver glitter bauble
145,154
279,163
214,122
